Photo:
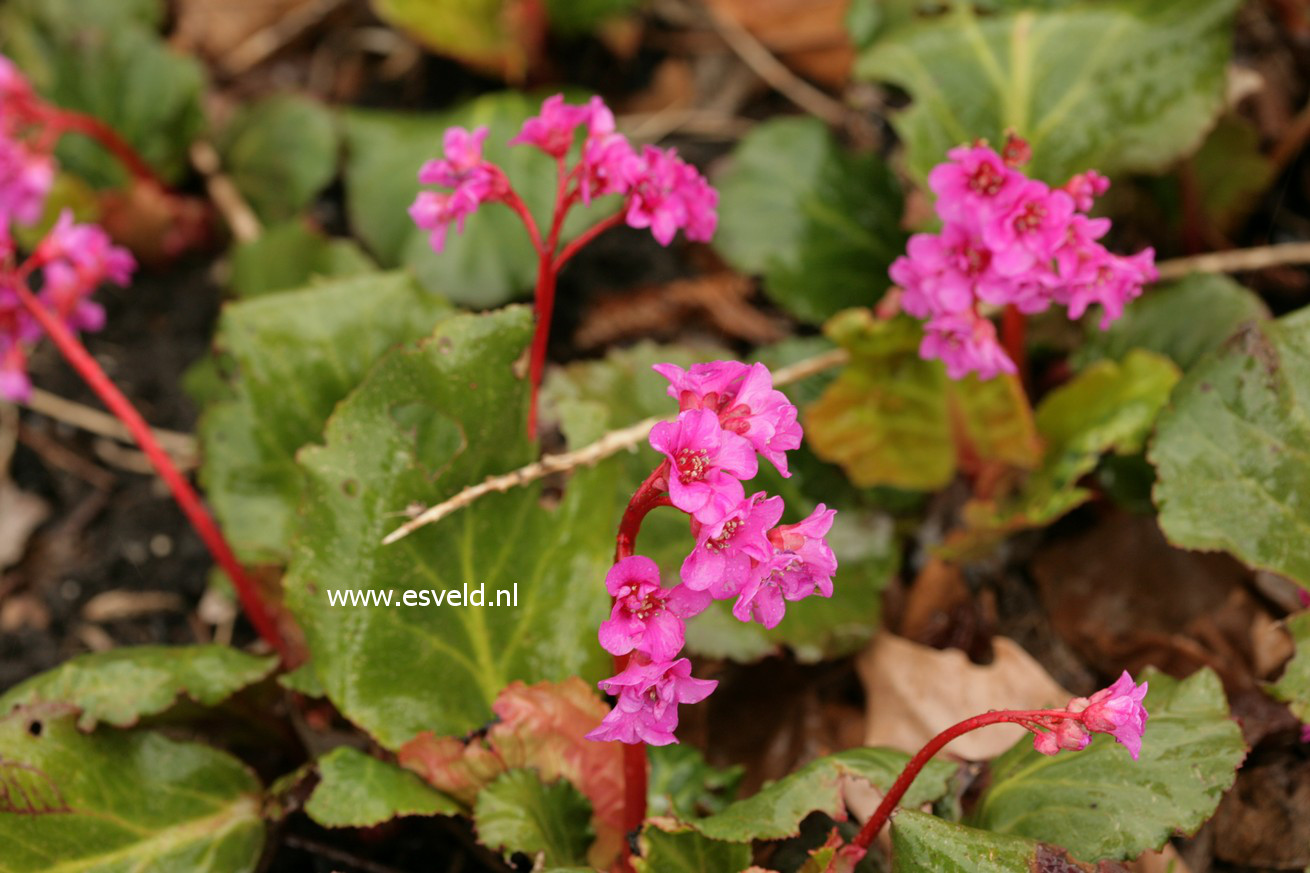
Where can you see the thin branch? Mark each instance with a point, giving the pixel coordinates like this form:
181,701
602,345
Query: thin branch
268,41
1237,260
773,71
180,445
240,218
610,444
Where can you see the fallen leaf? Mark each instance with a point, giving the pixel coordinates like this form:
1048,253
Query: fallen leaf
21,513
216,29
541,726
915,692
1265,820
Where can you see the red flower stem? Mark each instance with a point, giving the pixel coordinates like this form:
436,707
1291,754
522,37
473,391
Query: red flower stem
68,121
545,294
649,495
902,784
90,371
586,237
1014,328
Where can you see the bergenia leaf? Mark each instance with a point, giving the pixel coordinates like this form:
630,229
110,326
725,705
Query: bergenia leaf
120,686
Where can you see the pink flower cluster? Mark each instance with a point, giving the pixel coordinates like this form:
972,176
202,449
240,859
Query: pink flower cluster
662,192
1116,710
26,172
72,260
729,412
1009,240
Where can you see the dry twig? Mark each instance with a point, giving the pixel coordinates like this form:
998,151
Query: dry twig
245,225
180,445
1236,260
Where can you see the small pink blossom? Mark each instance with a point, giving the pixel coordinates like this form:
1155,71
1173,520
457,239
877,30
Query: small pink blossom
462,166
1118,711
1027,234
966,343
1084,188
668,195
1066,734
725,553
647,617
974,185
609,165
1111,281
435,212
744,399
706,462
552,129
25,180
648,696
812,563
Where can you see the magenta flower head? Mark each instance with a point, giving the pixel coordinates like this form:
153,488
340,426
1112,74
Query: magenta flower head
706,464
669,195
726,552
744,399
1008,240
1117,711
647,617
552,129
25,180
648,696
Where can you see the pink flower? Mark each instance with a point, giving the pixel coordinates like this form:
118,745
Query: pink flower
1118,711
725,553
552,129
435,212
966,343
1027,234
88,252
812,563
648,696
946,273
744,399
974,185
647,617
1084,188
609,165
707,464
668,195
25,180
1066,733
462,166
1110,280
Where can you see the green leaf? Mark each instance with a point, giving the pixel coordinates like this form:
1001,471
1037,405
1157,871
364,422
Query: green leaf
1231,171
107,59
115,801
490,35
1141,89
892,418
1182,321
428,421
280,152
670,847
576,17
1232,451
1100,803
683,786
1294,686
492,261
1108,407
357,790
292,255
302,680
776,811
821,224
520,813
923,843
293,357
120,686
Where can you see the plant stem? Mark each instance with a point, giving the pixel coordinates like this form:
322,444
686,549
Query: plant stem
649,495
935,745
90,371
68,121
